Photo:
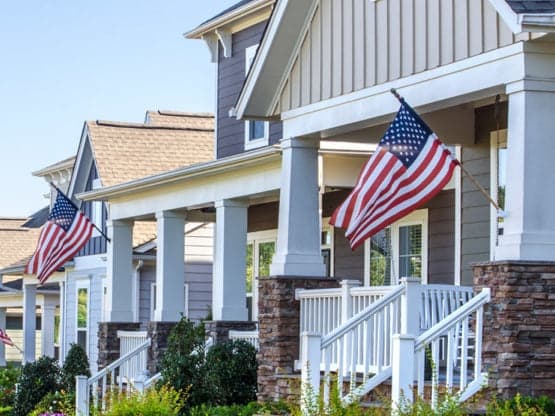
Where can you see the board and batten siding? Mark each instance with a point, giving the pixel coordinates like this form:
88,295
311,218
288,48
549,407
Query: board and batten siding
355,44
97,244
231,76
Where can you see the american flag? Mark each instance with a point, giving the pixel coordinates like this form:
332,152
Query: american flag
5,338
65,232
409,167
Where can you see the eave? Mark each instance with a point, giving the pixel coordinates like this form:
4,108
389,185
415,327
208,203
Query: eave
225,165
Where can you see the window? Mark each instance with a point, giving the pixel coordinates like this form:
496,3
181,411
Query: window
498,183
256,132
261,247
96,214
400,250
82,313
153,300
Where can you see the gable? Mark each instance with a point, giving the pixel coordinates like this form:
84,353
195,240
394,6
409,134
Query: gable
353,44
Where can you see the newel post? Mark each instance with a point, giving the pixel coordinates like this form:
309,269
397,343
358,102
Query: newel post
410,306
81,396
402,369
310,372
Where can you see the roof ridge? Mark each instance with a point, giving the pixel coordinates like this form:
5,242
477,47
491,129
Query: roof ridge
184,114
123,124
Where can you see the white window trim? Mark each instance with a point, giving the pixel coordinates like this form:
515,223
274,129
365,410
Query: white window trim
327,227
418,217
493,188
83,284
153,300
250,53
96,209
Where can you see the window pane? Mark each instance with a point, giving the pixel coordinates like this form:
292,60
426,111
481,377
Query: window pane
256,130
265,254
82,339
501,181
410,251
82,313
249,268
380,258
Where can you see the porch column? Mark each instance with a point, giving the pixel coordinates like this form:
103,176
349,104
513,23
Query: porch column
170,269
529,227
48,309
120,271
230,261
29,322
298,250
2,345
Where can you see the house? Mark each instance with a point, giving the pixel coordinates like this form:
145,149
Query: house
315,76
18,239
113,152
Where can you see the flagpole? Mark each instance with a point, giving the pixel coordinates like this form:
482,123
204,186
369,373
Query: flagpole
78,209
466,172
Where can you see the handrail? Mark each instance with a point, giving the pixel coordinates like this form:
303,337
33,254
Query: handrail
119,361
312,293
152,380
361,316
451,319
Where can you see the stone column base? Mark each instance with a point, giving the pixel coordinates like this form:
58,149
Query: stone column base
219,330
519,326
278,328
158,332
108,341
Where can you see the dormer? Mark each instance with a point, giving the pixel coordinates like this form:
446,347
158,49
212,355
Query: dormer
232,38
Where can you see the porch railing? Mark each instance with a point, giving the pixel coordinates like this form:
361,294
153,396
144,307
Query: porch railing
109,379
136,366
249,336
361,349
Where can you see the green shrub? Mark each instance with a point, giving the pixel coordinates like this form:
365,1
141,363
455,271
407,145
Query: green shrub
36,380
183,365
55,403
76,363
522,406
250,409
5,410
231,372
164,401
8,378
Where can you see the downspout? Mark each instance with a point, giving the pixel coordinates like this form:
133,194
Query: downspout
136,291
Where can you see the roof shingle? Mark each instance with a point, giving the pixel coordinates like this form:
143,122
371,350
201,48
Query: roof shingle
179,119
16,242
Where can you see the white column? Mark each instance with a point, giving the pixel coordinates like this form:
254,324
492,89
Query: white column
29,322
48,310
170,269
230,261
120,271
529,225
2,346
61,330
298,250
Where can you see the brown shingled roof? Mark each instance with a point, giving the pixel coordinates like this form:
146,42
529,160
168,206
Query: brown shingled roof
16,242
180,119
127,151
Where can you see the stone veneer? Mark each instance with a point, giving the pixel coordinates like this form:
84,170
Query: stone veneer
519,326
159,333
108,341
219,330
278,327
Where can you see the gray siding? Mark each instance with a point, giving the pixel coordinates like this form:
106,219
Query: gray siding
348,264
148,276
96,245
355,44
441,238
231,76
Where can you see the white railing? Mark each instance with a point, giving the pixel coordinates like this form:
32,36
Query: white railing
463,370
136,366
249,336
362,346
105,381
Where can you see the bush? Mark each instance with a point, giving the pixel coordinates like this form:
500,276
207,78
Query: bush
253,408
36,380
231,373
75,364
522,406
164,401
183,366
8,378
58,403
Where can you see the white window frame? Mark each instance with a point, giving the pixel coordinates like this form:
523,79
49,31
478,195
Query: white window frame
153,300
83,284
96,209
493,187
418,217
326,227
250,53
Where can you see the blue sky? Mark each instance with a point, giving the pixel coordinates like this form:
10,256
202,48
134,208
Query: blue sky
63,62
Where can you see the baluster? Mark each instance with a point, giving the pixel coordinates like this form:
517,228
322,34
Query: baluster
464,353
449,369
478,342
95,389
365,350
421,363
353,363
327,360
435,372
340,362
379,343
104,391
